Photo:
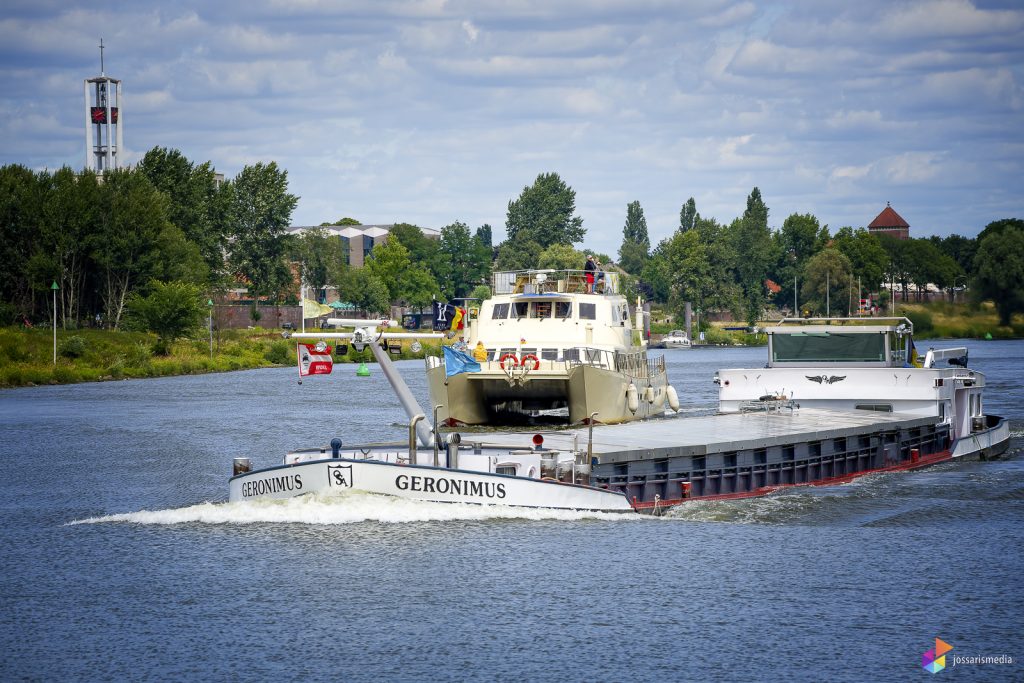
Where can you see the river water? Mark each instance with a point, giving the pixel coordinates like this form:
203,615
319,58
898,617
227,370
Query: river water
119,559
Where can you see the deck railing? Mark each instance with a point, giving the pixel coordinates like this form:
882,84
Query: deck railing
552,282
632,363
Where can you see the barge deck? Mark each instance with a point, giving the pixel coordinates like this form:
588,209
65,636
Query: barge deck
661,463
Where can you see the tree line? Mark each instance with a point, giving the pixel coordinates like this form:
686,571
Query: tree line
138,241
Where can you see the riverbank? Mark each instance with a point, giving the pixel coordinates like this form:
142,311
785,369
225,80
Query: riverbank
91,355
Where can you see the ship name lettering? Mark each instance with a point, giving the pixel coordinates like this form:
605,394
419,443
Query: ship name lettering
460,487
261,487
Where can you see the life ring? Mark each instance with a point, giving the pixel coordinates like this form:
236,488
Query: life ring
536,361
508,356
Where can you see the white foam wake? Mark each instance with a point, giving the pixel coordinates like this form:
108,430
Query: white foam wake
348,509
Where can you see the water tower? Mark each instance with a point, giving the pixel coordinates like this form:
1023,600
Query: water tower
103,121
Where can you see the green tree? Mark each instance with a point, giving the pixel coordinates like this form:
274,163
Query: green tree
423,250
366,291
464,261
999,271
193,204
171,309
520,255
996,227
799,238
752,242
345,221
826,287
636,244
483,233
262,212
321,258
22,195
688,215
389,262
132,216
543,213
959,248
868,258
561,257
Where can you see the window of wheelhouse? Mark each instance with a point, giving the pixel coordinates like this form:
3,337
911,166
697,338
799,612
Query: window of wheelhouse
563,309
588,311
549,354
521,308
802,347
540,309
500,312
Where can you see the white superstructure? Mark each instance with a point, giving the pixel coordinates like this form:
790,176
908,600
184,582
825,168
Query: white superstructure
548,342
860,364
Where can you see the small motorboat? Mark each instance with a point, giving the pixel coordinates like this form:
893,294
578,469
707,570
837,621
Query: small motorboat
676,339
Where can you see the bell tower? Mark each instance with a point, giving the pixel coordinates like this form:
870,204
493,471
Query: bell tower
103,121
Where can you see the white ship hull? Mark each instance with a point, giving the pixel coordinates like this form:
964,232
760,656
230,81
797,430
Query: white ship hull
337,476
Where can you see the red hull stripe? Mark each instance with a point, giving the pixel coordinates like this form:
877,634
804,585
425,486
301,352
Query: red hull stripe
923,461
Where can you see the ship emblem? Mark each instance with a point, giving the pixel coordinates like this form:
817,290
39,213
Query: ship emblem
826,379
339,475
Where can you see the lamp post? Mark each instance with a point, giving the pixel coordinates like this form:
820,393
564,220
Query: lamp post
963,296
209,303
54,287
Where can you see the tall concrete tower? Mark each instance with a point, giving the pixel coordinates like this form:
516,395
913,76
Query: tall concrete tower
104,121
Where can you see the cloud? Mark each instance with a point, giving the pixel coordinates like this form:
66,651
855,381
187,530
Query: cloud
444,109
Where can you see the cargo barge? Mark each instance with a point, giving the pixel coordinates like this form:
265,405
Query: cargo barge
859,400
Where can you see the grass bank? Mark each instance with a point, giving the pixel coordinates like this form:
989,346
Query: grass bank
88,355
960,320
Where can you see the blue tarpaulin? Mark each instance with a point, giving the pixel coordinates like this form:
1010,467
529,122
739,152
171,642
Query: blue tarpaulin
456,362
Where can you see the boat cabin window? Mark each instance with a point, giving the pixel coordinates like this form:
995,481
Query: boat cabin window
490,353
877,407
500,312
616,314
521,308
588,312
506,469
505,352
528,352
541,309
804,347
549,354
572,355
563,309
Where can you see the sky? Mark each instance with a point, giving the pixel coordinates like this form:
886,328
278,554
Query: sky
434,111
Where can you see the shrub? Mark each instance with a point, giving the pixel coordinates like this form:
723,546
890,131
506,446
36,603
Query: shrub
279,353
72,347
922,322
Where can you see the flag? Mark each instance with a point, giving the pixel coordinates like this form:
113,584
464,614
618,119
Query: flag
443,314
915,359
313,362
312,309
457,318
456,362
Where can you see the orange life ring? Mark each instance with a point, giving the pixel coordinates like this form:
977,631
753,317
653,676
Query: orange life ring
508,356
536,361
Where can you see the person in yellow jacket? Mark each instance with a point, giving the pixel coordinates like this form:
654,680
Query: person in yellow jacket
479,353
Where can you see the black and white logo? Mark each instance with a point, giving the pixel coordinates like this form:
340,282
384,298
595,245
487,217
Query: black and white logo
340,476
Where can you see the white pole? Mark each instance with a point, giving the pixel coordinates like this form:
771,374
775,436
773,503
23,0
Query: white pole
54,322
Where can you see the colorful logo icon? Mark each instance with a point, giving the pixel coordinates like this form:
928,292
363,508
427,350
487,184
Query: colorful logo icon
934,660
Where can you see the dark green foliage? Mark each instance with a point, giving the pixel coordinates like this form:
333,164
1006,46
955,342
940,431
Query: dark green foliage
262,209
280,353
171,310
636,243
999,265
72,347
543,213
688,215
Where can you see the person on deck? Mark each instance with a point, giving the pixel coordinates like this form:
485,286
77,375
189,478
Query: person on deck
479,352
588,270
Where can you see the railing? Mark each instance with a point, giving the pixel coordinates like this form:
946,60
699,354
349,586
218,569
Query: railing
632,363
552,282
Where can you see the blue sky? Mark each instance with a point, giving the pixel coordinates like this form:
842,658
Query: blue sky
436,111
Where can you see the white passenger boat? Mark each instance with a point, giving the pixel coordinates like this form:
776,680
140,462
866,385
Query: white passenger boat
868,364
551,345
676,339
